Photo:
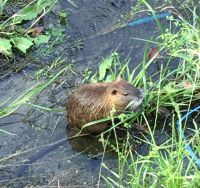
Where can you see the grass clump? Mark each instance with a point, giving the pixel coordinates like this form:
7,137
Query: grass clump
12,32
44,79
174,92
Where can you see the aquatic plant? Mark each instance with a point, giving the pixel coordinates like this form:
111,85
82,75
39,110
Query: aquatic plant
174,92
12,32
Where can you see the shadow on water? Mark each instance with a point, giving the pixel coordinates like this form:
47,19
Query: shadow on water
89,36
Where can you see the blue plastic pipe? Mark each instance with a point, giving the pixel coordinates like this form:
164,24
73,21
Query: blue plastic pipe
149,19
187,146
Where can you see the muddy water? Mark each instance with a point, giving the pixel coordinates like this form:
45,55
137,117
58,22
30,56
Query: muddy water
88,37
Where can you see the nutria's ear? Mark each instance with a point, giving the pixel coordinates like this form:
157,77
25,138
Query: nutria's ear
119,78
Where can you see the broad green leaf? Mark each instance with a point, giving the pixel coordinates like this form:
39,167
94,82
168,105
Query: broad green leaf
41,39
5,47
27,13
2,5
22,43
32,11
104,66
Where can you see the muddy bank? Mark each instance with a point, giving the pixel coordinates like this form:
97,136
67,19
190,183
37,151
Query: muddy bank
89,36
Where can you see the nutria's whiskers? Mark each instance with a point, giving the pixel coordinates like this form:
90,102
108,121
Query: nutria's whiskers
134,103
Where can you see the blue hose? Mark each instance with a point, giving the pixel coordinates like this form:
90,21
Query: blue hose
149,19
187,147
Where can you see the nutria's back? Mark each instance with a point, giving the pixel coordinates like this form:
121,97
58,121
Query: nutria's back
92,102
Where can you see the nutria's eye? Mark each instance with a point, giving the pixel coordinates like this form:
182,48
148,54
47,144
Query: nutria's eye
125,94
114,92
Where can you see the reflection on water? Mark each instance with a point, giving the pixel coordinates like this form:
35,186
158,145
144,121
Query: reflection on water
90,145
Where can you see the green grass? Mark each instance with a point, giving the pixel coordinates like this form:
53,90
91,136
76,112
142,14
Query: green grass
175,90
12,104
14,35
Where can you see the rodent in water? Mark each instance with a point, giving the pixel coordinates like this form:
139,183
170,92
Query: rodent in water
92,102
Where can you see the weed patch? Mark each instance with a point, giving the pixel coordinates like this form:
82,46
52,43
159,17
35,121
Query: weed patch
12,32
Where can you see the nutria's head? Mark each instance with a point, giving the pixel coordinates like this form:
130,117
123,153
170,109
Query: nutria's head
122,95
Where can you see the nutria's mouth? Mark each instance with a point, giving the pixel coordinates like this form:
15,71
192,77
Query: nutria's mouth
134,104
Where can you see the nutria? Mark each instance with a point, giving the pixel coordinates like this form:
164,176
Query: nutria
92,102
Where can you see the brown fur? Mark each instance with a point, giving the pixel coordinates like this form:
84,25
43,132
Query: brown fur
92,102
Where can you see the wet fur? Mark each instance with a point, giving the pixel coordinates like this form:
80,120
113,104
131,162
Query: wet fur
92,102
